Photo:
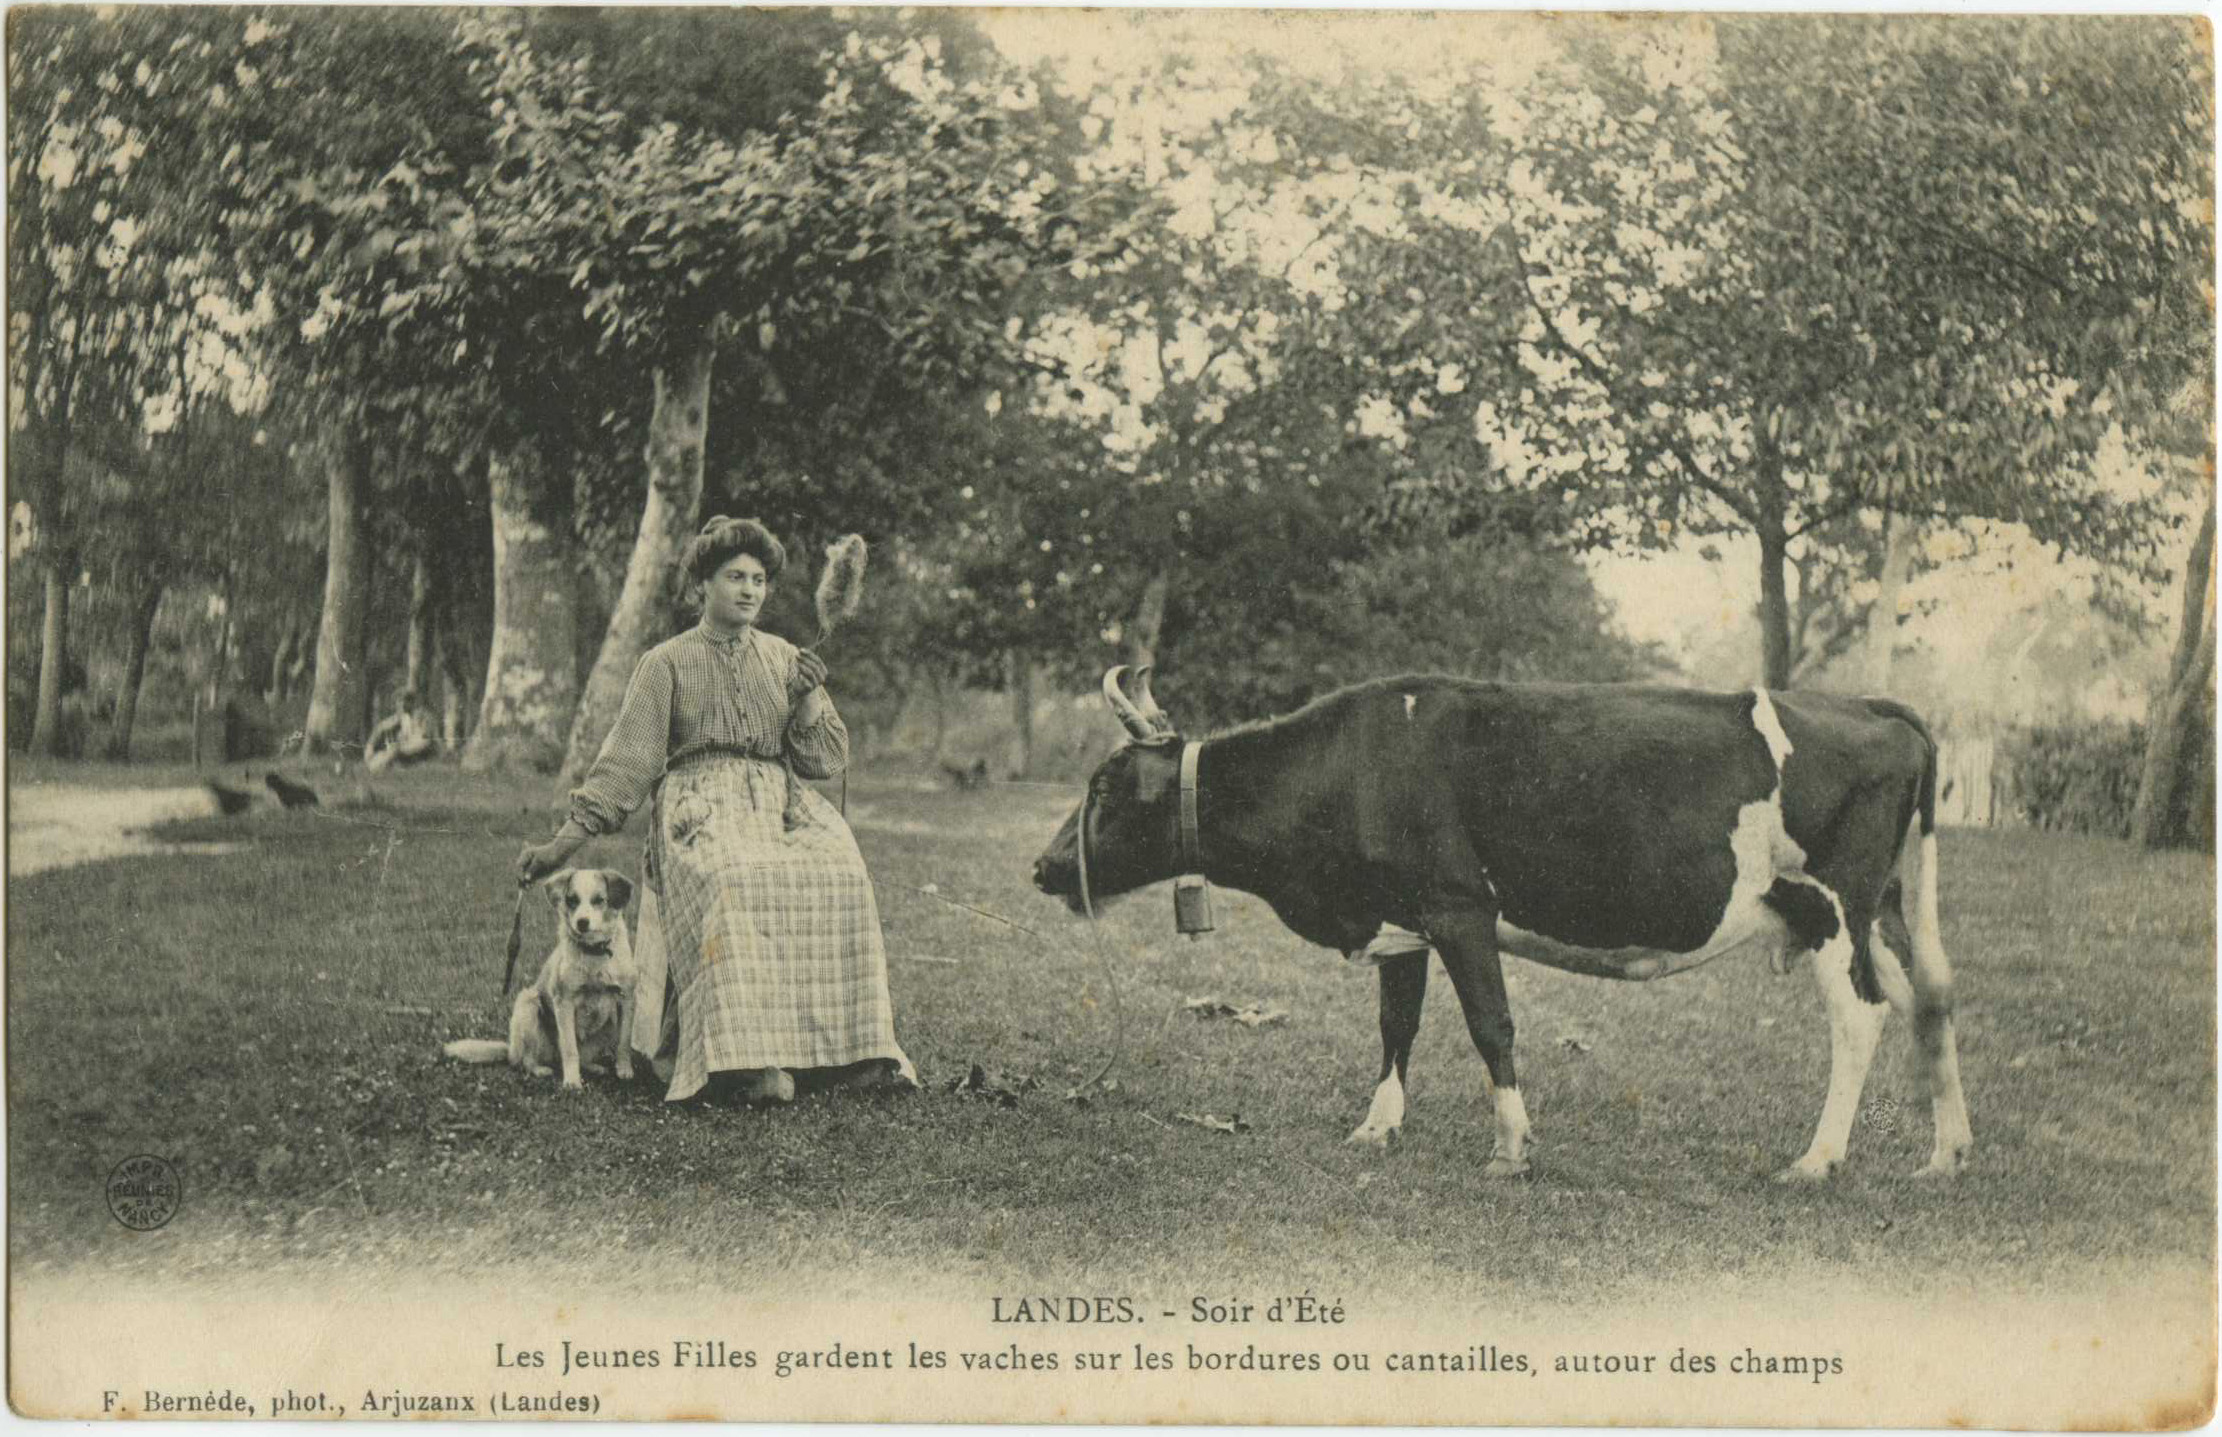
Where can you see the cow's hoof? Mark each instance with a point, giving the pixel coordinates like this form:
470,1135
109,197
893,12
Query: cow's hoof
1369,1136
1506,1168
1807,1170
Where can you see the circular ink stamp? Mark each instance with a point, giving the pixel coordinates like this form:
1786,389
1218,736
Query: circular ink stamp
143,1192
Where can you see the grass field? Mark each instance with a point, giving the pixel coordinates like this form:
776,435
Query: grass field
272,1020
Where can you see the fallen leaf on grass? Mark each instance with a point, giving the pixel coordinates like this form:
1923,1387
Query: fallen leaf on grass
274,1162
1573,1044
1004,1088
1249,1015
1081,1096
1234,1124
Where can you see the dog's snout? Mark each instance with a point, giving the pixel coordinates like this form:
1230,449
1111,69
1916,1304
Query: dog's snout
582,923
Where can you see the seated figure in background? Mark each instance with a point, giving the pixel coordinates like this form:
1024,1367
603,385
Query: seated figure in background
405,737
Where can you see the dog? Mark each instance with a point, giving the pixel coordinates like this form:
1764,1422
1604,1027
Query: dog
579,1011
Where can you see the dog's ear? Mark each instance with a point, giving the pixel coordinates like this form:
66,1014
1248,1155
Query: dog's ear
620,888
558,884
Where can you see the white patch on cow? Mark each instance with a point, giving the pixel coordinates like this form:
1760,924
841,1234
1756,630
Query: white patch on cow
1890,974
1385,1116
1390,942
1933,1028
1854,1028
1411,702
1763,852
1925,935
1511,1157
1769,723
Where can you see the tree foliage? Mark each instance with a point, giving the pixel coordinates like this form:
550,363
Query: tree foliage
1758,276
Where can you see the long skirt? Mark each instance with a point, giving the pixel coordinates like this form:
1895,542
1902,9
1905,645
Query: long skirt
769,936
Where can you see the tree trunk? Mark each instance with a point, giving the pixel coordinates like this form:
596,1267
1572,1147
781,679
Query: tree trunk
1774,608
2173,727
281,665
137,642
1882,621
299,669
415,677
46,726
938,687
531,667
451,714
336,701
1149,622
455,688
678,428
1021,674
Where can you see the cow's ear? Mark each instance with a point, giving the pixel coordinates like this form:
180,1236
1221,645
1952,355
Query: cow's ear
620,888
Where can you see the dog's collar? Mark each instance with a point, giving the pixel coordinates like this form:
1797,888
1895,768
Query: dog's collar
601,952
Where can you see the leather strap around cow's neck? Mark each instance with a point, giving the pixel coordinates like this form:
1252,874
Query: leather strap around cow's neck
1191,832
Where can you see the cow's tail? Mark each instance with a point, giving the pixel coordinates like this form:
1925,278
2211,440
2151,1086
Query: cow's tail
1916,883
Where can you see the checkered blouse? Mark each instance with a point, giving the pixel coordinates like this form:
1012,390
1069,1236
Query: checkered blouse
698,694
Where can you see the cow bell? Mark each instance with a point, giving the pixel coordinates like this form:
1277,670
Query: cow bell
1192,905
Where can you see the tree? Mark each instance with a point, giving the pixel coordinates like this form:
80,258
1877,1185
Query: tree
2181,720
427,349
1826,266
93,234
890,216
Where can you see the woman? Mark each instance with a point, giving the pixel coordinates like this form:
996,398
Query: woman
757,905
405,737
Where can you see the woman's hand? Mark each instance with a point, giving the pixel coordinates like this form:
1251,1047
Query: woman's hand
537,860
810,674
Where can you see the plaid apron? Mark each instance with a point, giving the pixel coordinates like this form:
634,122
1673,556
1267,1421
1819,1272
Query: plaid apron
769,935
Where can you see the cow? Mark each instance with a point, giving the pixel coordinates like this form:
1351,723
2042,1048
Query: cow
1620,831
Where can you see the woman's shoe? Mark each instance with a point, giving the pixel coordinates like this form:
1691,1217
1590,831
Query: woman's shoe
876,1075
772,1086
757,1087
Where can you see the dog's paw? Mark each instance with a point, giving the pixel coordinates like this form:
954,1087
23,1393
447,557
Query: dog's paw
573,1085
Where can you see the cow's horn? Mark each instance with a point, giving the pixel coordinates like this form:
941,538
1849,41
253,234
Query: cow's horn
1122,706
1147,701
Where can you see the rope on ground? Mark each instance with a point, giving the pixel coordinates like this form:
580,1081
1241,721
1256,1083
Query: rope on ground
1110,979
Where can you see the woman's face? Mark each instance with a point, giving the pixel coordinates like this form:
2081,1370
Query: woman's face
734,595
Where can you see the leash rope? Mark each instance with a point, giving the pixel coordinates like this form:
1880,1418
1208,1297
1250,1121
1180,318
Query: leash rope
1088,908
516,938
1087,905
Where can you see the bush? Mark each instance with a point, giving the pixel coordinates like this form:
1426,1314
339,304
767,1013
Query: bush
2075,777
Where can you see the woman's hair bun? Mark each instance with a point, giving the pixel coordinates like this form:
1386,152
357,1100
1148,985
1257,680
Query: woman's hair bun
722,537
